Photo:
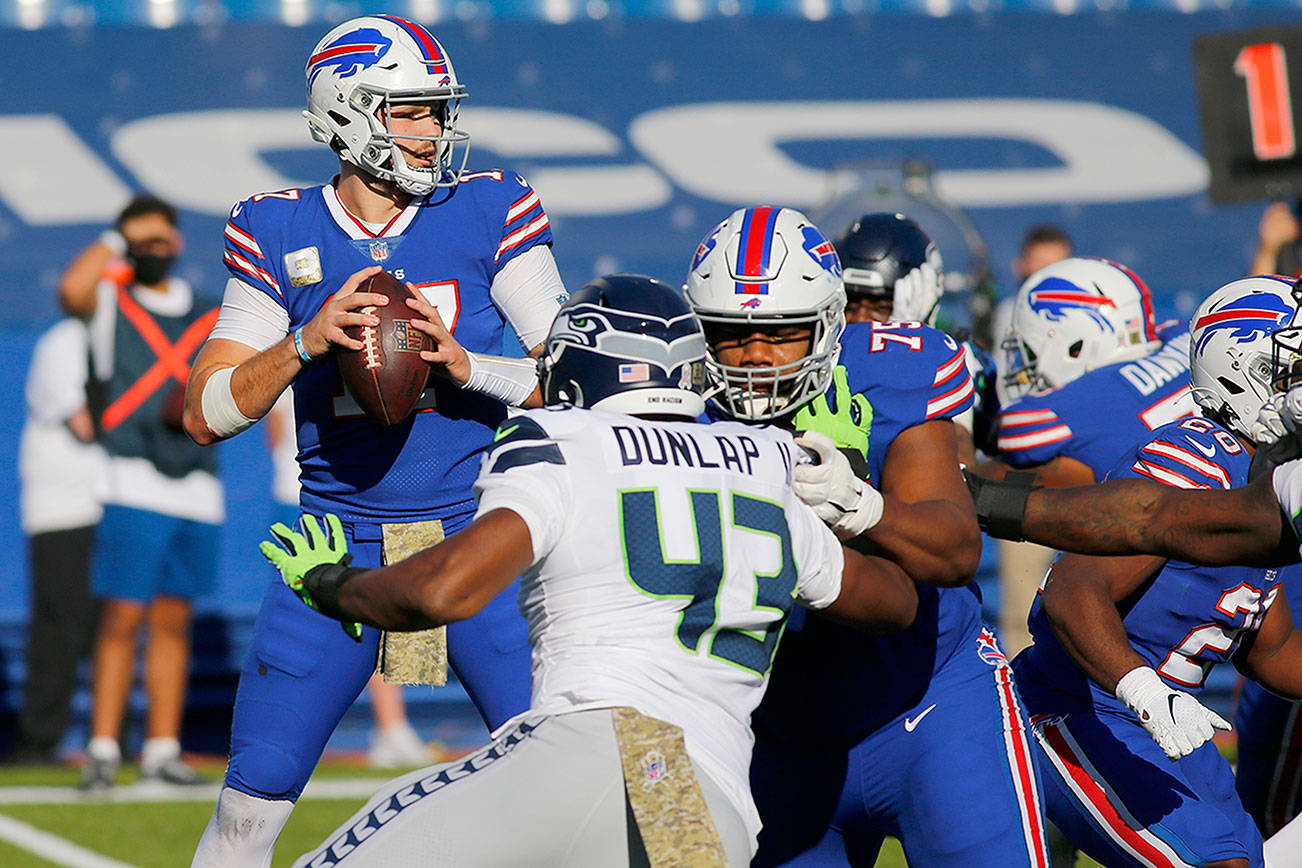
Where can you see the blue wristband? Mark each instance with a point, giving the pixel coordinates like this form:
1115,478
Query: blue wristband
298,346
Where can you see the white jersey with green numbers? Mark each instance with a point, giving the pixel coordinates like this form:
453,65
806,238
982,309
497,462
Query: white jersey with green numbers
666,558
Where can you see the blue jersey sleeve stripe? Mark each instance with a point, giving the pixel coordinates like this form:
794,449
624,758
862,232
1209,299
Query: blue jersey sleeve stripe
522,206
526,455
523,235
1018,418
952,402
1190,460
950,369
245,270
244,243
1166,475
1018,442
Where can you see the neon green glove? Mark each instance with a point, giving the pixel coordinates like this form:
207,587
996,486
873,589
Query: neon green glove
295,555
848,426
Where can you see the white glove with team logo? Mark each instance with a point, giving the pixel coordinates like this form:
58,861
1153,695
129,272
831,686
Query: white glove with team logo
1178,723
1279,417
845,502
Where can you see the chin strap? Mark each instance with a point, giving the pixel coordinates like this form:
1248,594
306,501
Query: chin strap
1001,505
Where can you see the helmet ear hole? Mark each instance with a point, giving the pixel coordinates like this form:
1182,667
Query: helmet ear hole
1075,349
339,119
1230,386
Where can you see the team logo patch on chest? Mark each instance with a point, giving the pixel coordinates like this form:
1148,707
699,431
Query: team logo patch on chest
303,266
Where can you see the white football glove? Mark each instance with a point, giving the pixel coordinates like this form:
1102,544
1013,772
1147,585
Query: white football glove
1178,723
916,294
845,502
1279,417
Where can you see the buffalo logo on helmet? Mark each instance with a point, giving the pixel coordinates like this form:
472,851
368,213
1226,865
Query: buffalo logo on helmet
1055,297
351,53
820,249
1247,318
748,303
704,248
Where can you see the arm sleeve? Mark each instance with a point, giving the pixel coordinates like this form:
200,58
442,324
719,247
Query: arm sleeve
819,558
1180,458
525,224
243,255
1031,435
525,471
249,316
529,291
951,388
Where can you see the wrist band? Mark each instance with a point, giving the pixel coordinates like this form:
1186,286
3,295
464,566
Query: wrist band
113,240
1001,505
298,346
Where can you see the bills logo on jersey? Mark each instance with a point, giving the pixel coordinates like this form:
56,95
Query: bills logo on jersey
351,53
634,373
988,650
1055,297
821,250
1247,318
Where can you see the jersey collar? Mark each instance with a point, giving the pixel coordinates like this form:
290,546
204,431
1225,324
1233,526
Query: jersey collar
359,230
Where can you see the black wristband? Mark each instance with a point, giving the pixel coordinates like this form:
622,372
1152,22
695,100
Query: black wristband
1000,505
323,582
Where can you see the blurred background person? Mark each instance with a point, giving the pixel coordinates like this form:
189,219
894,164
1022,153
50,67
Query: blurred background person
156,545
1277,236
60,469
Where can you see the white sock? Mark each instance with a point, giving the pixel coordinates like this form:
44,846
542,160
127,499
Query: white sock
157,751
1284,848
104,748
242,832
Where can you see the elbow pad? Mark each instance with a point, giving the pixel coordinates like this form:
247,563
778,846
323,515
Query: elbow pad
1001,505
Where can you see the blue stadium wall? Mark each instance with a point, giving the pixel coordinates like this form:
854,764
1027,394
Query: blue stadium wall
639,133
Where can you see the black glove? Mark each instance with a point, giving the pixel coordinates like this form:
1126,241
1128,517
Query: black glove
1000,505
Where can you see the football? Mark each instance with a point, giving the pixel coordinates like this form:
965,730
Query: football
387,376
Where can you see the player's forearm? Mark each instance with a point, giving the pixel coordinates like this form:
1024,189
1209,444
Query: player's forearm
934,541
256,381
876,594
1135,516
449,582
1089,628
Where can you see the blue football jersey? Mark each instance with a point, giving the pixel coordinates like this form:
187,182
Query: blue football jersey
1188,618
831,680
300,245
1095,416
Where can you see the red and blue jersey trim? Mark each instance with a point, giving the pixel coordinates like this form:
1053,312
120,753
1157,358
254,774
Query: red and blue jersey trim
525,224
755,250
244,259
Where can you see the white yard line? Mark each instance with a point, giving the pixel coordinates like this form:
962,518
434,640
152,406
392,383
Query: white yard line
52,847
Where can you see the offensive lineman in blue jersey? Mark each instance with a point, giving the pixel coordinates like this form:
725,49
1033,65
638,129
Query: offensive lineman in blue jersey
858,738
475,245
1123,644
1090,372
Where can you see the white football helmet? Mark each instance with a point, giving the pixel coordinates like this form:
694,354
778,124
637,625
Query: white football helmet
768,267
1073,316
1231,365
360,69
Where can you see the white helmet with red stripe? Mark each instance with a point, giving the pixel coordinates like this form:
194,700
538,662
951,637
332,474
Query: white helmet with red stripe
1231,368
1073,316
765,268
365,66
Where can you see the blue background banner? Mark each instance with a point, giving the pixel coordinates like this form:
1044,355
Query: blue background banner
639,135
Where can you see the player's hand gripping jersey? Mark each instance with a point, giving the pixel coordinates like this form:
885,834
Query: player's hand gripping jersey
664,581
1090,417
298,246
1187,619
836,681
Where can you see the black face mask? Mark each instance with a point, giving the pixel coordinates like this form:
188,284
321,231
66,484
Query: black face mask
150,270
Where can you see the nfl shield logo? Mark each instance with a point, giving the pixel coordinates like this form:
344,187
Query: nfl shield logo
634,373
379,250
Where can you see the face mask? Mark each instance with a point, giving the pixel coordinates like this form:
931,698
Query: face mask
150,270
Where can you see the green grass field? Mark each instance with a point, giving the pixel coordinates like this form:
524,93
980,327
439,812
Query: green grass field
149,833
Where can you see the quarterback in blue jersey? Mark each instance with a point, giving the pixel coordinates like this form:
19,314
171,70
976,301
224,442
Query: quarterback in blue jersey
475,246
856,739
1123,645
